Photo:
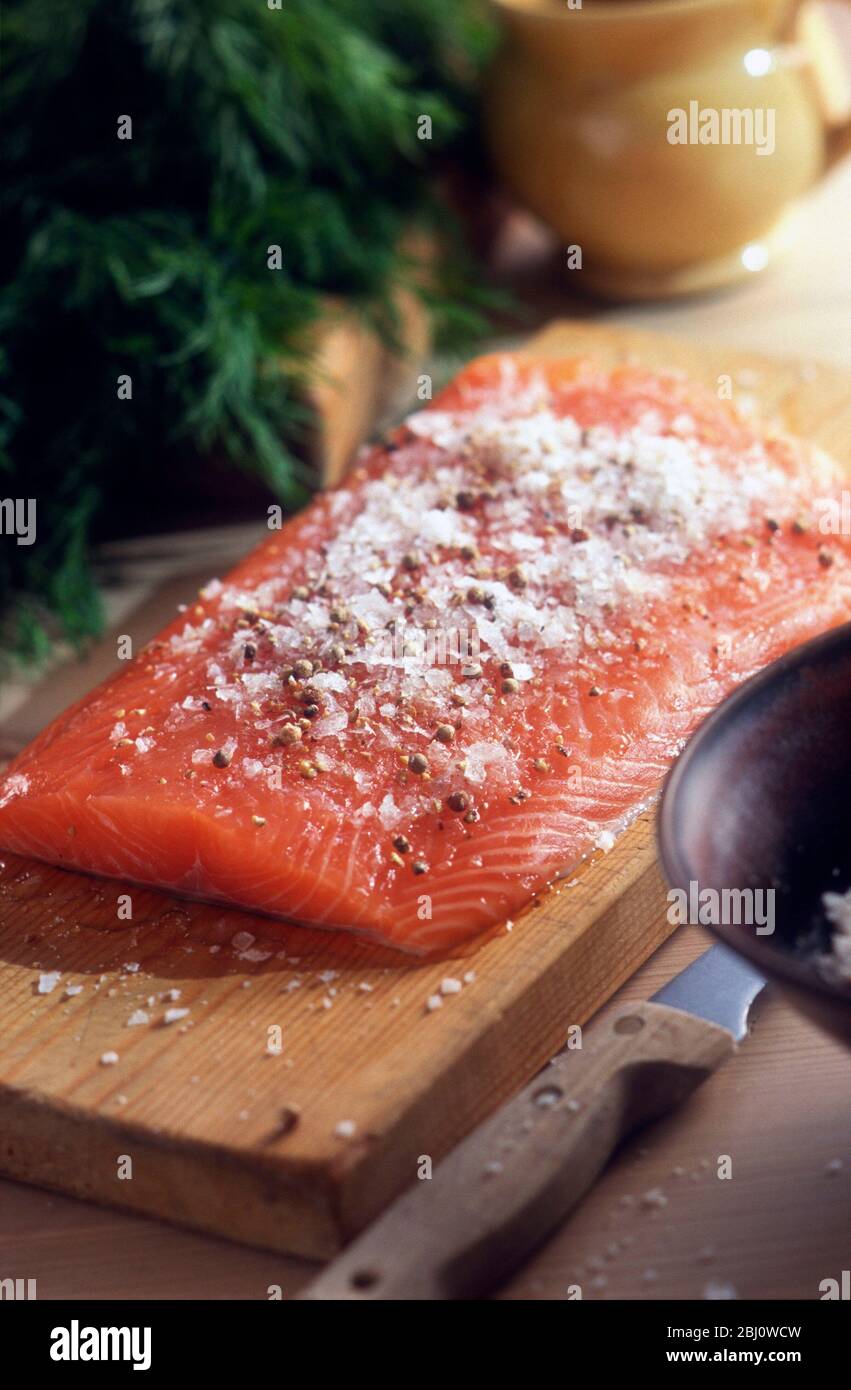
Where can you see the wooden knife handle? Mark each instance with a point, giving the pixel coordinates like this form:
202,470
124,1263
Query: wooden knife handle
499,1193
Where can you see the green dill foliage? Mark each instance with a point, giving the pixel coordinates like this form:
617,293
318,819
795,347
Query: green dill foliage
252,126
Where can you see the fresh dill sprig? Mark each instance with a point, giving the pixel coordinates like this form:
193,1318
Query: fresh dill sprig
147,257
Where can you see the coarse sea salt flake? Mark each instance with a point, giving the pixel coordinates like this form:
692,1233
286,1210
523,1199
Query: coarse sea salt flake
330,680
719,1291
837,910
48,981
483,756
330,724
389,813
16,785
173,1015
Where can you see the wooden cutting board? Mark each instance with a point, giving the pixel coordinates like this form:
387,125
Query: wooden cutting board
196,1122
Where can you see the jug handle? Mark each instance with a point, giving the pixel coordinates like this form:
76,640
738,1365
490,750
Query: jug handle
831,87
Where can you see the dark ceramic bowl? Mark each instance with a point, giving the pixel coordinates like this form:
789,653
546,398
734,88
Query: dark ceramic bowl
761,798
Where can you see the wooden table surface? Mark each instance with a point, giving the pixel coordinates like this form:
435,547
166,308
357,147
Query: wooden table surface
781,1110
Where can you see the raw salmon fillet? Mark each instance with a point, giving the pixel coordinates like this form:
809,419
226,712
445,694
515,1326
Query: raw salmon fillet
448,682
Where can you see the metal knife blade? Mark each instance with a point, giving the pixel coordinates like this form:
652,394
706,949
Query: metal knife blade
719,986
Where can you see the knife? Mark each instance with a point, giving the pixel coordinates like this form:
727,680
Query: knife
509,1183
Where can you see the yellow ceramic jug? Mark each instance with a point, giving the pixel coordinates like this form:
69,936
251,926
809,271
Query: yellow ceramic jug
668,140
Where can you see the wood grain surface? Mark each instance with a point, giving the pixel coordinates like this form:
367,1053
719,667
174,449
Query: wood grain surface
230,1140
782,1223
460,1231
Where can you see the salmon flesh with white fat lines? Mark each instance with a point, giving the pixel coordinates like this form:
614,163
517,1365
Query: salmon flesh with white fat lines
454,678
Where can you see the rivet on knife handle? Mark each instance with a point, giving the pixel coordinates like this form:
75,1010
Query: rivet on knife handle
500,1192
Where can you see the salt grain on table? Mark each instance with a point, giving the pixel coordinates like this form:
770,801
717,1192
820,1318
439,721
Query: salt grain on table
717,1291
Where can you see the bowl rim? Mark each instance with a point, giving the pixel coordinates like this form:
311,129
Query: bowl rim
679,874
